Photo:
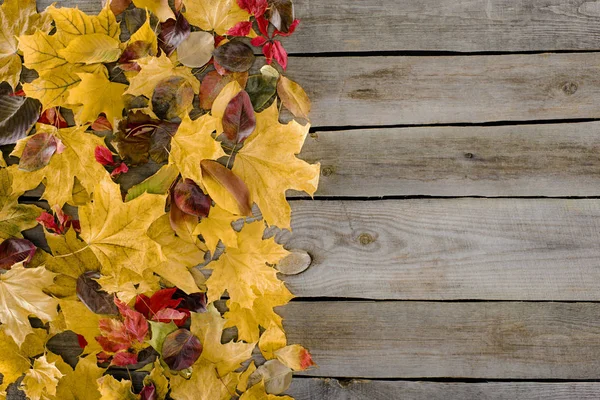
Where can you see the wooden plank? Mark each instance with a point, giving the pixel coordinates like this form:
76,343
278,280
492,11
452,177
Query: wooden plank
333,389
477,25
485,340
373,91
448,249
521,160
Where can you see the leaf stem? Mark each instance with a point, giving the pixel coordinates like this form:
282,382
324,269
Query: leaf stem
73,253
231,155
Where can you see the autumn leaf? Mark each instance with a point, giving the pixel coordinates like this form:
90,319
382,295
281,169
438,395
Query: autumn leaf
258,392
217,226
41,51
17,17
158,380
243,271
127,284
293,97
80,383
41,380
17,117
79,319
116,231
15,361
22,292
214,15
225,188
160,8
13,251
92,87
181,349
58,176
204,384
72,22
14,217
234,56
196,50
269,155
275,376
112,389
91,48
295,356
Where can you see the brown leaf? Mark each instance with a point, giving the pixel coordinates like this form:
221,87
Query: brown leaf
281,14
13,251
196,50
181,349
213,83
225,188
234,56
172,33
172,97
134,51
38,151
239,120
118,6
190,198
91,294
293,97
17,116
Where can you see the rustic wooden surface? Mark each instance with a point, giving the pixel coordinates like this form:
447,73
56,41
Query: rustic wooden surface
503,288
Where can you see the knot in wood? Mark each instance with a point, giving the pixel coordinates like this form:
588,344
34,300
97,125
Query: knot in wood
469,155
365,239
569,88
327,171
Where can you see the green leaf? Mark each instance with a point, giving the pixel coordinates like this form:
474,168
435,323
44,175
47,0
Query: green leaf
159,183
160,330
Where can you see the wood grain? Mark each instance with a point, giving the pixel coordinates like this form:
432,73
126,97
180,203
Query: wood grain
520,160
448,249
333,389
374,91
485,340
456,25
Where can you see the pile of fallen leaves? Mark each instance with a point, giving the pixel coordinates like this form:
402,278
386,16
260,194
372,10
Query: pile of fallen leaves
161,167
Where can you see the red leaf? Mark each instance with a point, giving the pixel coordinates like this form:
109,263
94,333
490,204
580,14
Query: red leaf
213,83
258,41
239,120
167,315
220,69
114,336
263,26
163,298
118,6
124,358
58,223
135,323
181,349
149,393
13,251
280,54
121,169
53,117
104,156
47,221
305,359
291,30
172,33
81,341
254,7
38,152
19,93
195,302
240,29
268,52
134,51
190,199
102,124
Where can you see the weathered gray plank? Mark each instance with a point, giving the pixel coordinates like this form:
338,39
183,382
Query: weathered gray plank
502,249
477,25
333,389
440,339
372,91
521,160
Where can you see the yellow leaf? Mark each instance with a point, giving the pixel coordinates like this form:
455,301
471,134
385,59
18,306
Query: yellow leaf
2,161
181,256
154,70
160,8
98,95
92,48
80,383
243,382
158,378
112,389
17,17
127,284
293,97
22,296
40,51
214,15
41,380
208,327
79,319
271,340
217,226
269,166
13,362
222,100
257,392
14,217
72,22
295,356
243,271
77,160
70,258
204,384
193,143
146,34
116,231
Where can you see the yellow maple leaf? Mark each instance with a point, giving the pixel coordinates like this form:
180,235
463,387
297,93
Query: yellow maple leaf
72,22
243,271
17,17
14,360
160,8
21,291
112,389
217,226
272,339
154,70
268,164
158,378
97,95
14,217
40,51
258,392
77,160
69,259
116,231
80,383
214,15
41,380
92,48
2,161
79,319
193,143
127,284
180,256
204,384
146,34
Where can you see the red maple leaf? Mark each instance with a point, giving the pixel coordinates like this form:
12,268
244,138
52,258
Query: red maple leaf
271,48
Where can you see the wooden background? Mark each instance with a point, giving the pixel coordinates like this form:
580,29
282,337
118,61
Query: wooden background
455,237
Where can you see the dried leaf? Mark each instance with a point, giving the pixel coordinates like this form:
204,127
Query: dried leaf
213,83
239,120
190,198
234,56
38,151
214,15
87,92
159,183
293,97
17,116
91,49
172,33
226,188
93,296
275,375
181,349
196,50
41,380
172,98
281,14
261,88
13,251
160,8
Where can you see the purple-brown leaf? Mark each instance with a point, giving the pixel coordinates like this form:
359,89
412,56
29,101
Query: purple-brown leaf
38,151
134,51
190,199
213,83
234,56
17,116
172,97
172,33
281,14
91,294
13,251
181,349
239,120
